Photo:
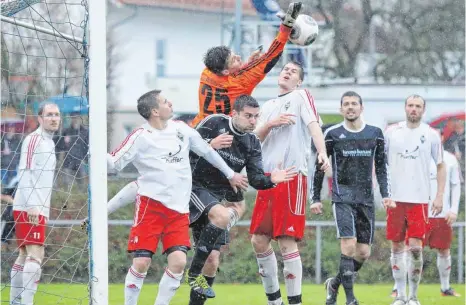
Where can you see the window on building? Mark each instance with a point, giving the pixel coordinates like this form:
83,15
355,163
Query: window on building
160,57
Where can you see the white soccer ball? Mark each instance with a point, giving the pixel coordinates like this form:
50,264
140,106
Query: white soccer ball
305,31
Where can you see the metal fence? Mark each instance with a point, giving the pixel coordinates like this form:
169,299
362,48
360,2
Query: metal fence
459,227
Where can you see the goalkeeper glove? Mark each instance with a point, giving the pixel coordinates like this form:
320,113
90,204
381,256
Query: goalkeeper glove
289,18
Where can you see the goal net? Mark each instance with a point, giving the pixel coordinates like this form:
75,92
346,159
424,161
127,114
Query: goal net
44,58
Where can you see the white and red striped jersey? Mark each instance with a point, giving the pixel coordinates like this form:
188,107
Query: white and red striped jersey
451,195
410,151
288,145
36,172
162,160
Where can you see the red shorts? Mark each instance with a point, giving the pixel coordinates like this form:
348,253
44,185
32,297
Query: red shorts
439,234
26,233
281,211
153,222
407,220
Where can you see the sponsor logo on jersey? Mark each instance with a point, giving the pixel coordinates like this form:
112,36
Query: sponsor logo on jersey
357,153
172,157
228,156
410,155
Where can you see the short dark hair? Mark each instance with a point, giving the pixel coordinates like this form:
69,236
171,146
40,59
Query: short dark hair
216,59
245,101
45,104
415,96
147,102
297,64
350,93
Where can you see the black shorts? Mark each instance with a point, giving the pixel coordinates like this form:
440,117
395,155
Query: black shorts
355,220
202,200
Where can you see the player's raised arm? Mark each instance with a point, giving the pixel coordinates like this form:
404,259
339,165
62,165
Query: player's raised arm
381,166
127,151
254,72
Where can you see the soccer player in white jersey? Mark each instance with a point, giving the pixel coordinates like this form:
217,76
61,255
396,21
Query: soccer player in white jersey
159,150
31,205
439,233
285,127
411,145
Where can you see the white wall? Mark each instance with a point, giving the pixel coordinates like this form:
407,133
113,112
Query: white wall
188,35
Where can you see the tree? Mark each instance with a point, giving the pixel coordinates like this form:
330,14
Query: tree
427,42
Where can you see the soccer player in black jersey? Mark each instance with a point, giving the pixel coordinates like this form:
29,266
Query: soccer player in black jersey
354,147
210,220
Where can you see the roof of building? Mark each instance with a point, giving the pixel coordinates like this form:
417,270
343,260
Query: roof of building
212,6
227,6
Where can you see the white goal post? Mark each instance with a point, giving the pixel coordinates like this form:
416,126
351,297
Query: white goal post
98,151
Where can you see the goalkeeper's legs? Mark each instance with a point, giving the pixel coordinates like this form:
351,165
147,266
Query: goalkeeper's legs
16,276
31,273
209,272
173,274
136,275
268,269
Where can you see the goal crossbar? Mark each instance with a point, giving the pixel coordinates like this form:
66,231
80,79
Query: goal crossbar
40,29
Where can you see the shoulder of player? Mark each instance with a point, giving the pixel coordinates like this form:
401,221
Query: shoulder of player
395,126
373,129
302,95
212,120
334,130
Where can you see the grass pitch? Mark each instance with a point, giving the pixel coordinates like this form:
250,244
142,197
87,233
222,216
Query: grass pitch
237,294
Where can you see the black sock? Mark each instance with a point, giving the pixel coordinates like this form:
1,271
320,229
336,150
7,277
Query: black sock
346,276
197,298
294,300
206,243
357,265
274,295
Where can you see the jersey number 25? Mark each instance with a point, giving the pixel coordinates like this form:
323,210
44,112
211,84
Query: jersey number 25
222,101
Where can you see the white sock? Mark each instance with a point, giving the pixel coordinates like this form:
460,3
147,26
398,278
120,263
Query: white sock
31,277
133,285
398,262
293,273
414,272
234,217
168,286
444,270
16,277
268,271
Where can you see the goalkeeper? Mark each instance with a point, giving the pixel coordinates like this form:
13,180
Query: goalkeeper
226,77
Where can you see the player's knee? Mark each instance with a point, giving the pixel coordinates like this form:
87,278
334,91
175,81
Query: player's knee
363,255
287,244
213,259
444,252
416,252
177,261
219,216
141,264
260,243
35,252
